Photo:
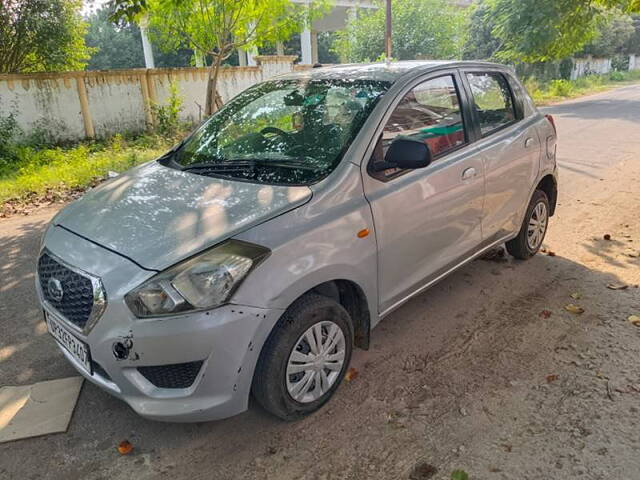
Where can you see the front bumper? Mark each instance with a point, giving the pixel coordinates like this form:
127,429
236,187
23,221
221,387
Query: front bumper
227,340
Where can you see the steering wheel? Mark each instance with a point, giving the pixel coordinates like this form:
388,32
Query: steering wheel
278,132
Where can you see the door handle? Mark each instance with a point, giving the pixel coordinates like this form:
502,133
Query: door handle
528,142
469,173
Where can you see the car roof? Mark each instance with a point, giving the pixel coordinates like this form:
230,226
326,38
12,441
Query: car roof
382,71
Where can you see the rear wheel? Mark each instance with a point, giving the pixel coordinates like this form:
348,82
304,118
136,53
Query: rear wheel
305,358
533,229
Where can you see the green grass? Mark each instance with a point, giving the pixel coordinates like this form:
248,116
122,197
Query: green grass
557,90
27,173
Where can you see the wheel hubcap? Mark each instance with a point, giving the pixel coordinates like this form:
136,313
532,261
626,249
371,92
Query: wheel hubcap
537,226
315,362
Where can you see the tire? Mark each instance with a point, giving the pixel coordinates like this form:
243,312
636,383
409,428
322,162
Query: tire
282,394
523,247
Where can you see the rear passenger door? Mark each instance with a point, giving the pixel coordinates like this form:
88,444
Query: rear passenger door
509,146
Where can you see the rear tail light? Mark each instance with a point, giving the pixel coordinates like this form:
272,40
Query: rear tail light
552,122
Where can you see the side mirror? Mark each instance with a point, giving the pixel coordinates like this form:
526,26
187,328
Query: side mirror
407,154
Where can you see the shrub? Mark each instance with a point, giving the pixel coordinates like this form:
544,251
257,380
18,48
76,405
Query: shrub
168,116
617,77
561,88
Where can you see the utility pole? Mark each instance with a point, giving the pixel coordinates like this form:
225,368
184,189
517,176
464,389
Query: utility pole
387,34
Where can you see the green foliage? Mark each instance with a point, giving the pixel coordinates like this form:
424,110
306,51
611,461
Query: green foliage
168,116
42,35
459,475
561,88
614,30
545,92
425,29
480,43
219,27
120,46
546,30
36,171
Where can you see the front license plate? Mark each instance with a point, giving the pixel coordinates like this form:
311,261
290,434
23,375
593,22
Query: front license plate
77,348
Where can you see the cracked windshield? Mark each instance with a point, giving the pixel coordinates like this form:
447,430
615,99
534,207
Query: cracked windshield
291,132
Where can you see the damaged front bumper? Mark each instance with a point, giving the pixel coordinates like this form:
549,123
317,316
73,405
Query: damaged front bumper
191,367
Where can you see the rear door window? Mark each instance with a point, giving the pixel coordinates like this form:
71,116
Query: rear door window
492,101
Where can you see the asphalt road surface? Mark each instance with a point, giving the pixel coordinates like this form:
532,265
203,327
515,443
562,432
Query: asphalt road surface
457,378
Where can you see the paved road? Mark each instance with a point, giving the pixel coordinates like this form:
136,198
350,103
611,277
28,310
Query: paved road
598,135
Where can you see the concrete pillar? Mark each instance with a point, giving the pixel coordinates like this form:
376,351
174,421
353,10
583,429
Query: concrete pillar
314,47
251,54
242,58
146,44
306,48
84,108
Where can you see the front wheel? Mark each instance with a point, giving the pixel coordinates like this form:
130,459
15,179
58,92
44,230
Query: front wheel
533,229
305,358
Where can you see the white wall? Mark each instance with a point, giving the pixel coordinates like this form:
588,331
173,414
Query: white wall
590,65
118,100
634,62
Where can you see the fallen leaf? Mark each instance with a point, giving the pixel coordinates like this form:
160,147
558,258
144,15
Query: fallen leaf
576,296
459,475
125,447
634,319
574,309
552,378
617,286
351,374
551,253
607,236
545,313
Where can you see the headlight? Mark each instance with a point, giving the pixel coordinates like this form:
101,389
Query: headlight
200,283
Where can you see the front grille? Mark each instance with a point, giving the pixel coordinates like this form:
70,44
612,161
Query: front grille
77,297
179,375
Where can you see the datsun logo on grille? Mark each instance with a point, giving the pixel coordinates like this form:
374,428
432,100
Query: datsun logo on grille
55,289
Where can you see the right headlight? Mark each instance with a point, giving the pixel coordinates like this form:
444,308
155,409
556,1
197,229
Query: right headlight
204,281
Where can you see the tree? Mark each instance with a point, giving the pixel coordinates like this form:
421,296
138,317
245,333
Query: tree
421,29
543,30
219,27
480,44
42,35
613,32
120,45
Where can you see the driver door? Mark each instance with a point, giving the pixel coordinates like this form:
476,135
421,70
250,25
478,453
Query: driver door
428,219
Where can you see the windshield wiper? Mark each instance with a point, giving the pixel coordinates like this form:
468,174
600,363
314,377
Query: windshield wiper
252,162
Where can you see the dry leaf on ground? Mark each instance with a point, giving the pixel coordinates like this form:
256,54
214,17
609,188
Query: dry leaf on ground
351,374
617,286
125,447
574,309
634,319
552,378
545,313
576,296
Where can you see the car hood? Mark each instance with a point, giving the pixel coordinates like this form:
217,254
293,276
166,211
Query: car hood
156,215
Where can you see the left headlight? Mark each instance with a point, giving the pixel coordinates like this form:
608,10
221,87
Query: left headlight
199,283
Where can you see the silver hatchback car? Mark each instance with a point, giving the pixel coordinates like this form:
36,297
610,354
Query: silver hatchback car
255,255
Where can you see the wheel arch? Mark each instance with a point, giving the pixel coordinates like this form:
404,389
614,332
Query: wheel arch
549,185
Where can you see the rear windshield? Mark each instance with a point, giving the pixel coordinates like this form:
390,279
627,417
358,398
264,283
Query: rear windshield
287,132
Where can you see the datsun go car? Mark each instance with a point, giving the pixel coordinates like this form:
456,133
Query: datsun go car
256,254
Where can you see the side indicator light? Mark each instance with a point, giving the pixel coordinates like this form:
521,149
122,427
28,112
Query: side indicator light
363,233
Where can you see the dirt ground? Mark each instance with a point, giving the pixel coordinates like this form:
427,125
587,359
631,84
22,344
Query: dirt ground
487,372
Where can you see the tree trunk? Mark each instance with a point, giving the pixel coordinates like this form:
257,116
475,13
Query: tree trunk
213,101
